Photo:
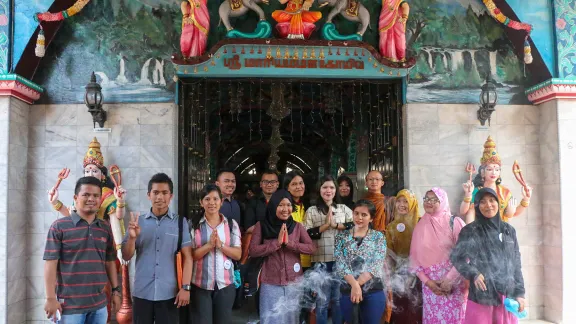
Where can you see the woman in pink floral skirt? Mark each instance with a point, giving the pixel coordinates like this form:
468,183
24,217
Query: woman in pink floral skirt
444,290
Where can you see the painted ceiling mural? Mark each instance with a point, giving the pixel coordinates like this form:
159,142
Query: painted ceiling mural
128,43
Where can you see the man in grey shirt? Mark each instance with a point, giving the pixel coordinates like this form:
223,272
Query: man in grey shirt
154,236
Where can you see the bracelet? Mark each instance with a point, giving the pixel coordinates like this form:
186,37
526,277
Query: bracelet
118,247
57,205
121,205
467,199
524,203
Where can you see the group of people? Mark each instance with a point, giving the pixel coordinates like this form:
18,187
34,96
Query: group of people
370,261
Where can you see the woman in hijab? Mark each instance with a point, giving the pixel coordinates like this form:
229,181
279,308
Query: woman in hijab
444,291
488,255
346,191
280,240
407,290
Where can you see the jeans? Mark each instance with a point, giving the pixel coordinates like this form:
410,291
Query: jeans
372,307
96,317
331,297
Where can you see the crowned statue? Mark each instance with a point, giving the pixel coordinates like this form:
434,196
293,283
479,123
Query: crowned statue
112,202
489,177
392,29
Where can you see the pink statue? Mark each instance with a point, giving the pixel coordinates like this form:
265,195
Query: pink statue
392,28
195,27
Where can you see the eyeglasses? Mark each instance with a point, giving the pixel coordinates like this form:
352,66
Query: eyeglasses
269,182
431,200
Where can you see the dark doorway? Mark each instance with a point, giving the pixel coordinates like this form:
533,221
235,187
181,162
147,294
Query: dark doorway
315,126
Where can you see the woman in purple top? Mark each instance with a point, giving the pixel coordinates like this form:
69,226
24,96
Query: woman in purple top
280,240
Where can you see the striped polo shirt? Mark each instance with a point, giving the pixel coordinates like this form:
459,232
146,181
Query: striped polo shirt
82,250
215,269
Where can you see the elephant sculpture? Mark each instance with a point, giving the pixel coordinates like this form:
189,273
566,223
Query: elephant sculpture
238,8
351,10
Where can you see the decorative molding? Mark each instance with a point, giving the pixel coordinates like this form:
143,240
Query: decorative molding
291,58
19,87
552,89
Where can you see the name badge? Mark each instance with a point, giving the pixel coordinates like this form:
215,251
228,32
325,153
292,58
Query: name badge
227,264
296,267
401,227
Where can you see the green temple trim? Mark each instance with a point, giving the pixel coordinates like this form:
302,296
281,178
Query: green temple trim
24,81
550,82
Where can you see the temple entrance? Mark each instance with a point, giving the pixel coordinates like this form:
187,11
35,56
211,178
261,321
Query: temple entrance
318,127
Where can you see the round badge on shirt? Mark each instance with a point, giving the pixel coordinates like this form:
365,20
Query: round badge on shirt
401,227
296,267
227,264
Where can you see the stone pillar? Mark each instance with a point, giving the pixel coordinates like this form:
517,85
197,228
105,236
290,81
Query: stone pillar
13,220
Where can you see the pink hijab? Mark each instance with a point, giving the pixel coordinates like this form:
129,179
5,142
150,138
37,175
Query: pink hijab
433,239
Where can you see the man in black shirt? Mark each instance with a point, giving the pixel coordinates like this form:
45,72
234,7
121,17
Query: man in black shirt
256,210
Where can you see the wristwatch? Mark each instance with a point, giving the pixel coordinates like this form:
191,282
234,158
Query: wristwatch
117,289
186,287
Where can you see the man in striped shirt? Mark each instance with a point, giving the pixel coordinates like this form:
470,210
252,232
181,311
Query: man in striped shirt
80,259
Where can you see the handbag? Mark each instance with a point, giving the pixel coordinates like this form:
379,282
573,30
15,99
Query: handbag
178,254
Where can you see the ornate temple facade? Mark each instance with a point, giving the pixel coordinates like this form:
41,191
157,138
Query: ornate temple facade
342,92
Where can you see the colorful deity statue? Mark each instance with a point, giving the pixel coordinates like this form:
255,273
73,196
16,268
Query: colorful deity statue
392,29
296,21
195,27
112,203
489,176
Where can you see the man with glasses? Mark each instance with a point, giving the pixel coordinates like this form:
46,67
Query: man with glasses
256,210
375,182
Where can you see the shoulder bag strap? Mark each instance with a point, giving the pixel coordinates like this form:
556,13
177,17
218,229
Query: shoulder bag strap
180,228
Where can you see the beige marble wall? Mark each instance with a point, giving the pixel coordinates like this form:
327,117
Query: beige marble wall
13,182
441,138
142,143
559,237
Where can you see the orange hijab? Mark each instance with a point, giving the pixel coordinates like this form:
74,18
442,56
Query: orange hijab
378,200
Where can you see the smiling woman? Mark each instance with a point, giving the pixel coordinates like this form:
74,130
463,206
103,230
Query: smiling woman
216,244
488,255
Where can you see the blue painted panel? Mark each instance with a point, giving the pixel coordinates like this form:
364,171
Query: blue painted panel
25,25
538,13
4,32
302,62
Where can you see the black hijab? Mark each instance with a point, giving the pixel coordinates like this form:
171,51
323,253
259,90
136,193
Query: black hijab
271,225
491,229
493,226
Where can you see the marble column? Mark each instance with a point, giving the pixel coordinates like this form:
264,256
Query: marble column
13,220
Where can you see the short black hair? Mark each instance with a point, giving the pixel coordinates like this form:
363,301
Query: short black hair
268,171
161,178
219,173
92,181
288,177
